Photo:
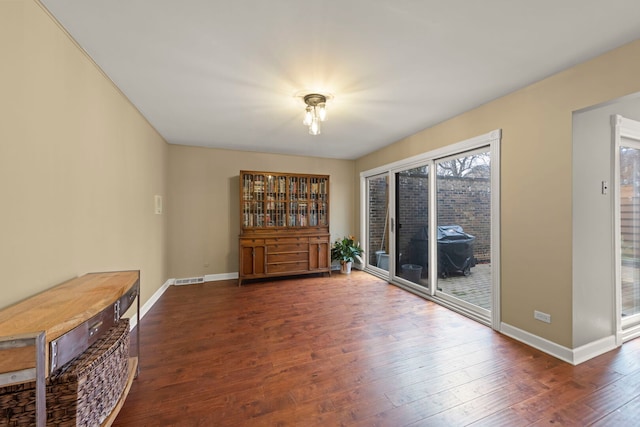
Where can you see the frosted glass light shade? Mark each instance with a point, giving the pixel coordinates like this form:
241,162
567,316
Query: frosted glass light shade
314,129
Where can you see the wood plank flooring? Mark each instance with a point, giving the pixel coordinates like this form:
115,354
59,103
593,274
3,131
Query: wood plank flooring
356,351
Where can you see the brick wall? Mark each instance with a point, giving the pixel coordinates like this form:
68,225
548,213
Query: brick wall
378,190
461,201
467,202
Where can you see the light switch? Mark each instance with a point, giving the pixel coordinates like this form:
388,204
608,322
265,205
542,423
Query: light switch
158,204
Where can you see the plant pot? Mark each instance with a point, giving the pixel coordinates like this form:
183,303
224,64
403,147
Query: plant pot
345,267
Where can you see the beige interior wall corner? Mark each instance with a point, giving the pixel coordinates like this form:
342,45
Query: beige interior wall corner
203,204
536,187
79,165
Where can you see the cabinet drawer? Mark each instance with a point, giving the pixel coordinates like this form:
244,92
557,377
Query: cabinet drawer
319,239
251,242
285,240
293,256
288,267
73,343
288,247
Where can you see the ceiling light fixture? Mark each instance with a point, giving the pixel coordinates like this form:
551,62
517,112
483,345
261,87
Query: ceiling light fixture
315,111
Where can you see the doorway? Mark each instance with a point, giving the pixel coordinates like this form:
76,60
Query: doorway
463,183
627,224
440,233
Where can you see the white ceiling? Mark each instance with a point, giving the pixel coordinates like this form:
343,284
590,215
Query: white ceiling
223,73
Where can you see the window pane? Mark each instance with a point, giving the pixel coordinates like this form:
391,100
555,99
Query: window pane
464,228
412,205
377,251
630,229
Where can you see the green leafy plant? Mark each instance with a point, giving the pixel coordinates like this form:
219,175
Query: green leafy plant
346,250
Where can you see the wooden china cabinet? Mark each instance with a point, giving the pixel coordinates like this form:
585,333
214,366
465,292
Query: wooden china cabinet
284,223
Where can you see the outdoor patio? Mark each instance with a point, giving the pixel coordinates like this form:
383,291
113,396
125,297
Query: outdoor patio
630,291
474,288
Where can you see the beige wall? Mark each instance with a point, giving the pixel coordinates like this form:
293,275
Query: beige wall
203,204
79,166
536,207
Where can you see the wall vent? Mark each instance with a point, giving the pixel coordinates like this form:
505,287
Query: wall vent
189,281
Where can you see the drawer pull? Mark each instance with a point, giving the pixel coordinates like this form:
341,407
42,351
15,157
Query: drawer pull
94,328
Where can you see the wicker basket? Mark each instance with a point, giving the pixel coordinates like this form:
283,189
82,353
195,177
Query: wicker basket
81,393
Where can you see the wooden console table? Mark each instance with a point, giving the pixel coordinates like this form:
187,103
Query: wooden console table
72,315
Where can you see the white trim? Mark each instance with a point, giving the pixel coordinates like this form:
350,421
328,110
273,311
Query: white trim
133,321
364,223
555,350
419,159
492,140
574,356
433,229
423,292
378,272
617,270
593,349
221,276
496,255
630,333
393,223
627,129
465,307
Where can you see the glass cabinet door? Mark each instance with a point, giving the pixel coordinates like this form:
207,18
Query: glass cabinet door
274,200
293,201
322,199
275,197
253,200
303,203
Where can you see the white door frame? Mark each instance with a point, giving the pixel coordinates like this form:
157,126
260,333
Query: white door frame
491,140
629,129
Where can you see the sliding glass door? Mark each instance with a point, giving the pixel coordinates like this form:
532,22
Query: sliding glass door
463,183
431,223
630,231
627,220
412,225
377,242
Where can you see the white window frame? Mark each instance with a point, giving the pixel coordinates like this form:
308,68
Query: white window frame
628,129
491,140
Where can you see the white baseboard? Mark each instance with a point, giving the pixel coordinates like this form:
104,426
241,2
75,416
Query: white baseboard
574,356
222,276
133,321
593,349
549,347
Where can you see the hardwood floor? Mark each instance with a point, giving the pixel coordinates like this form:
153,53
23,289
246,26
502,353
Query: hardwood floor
355,351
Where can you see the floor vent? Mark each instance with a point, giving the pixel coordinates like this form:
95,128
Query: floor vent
189,281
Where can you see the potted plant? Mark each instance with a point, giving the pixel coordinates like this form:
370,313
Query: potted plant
346,250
